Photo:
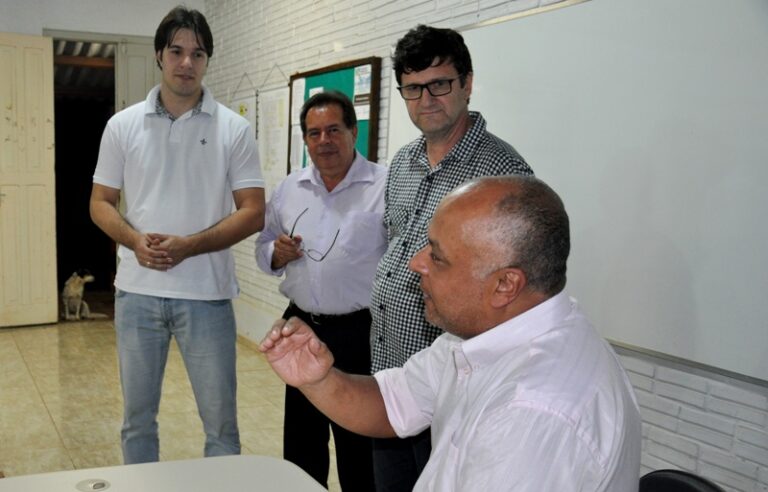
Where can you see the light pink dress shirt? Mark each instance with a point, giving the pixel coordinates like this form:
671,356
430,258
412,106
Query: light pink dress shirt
538,403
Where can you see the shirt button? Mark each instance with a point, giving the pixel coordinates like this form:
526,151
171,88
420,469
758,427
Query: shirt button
381,307
380,339
389,274
418,211
405,244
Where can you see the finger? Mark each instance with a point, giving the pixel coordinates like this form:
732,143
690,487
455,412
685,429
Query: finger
277,329
153,241
272,335
316,346
293,325
156,263
266,344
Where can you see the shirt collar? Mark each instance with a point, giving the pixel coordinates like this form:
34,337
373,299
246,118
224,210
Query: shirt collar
463,148
358,173
516,332
153,104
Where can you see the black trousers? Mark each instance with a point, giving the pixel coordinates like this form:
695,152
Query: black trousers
398,463
306,429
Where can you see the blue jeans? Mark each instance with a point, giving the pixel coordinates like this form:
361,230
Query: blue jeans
206,335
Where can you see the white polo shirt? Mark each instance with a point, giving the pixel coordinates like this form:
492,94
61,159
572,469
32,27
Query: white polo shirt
177,178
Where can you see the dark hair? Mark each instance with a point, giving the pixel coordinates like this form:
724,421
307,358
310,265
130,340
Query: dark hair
327,98
419,48
182,18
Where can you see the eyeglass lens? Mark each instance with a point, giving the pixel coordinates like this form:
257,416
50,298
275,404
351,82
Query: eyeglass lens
435,88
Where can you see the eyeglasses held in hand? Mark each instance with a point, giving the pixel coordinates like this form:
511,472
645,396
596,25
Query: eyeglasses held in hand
435,88
313,254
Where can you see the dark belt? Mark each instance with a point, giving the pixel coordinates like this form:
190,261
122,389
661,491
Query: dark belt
322,319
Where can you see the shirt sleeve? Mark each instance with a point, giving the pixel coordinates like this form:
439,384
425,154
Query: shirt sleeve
245,168
109,167
410,392
265,242
524,449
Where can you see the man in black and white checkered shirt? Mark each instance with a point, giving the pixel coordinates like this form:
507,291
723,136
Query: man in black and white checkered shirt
434,72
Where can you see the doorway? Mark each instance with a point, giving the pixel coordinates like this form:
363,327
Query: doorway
84,99
95,76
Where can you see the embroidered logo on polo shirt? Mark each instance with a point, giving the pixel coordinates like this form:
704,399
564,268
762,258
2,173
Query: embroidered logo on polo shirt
203,141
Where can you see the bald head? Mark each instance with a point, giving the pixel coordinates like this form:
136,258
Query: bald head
514,221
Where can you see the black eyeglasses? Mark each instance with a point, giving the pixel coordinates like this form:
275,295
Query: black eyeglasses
313,254
436,88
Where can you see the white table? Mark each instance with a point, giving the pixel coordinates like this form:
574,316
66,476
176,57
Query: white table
219,474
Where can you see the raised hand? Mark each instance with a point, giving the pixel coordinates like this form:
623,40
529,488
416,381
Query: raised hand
295,353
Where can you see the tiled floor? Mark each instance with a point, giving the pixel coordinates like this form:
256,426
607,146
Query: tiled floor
60,402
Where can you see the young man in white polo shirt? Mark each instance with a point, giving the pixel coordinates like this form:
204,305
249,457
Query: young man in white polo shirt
181,160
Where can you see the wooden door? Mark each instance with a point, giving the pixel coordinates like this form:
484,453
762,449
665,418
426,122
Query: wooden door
136,73
28,293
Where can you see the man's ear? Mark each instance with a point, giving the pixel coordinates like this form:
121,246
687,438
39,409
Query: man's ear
468,85
508,284
158,58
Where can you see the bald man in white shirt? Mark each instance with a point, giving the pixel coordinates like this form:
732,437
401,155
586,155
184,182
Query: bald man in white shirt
520,392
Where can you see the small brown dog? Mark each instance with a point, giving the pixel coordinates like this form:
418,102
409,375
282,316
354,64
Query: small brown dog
75,308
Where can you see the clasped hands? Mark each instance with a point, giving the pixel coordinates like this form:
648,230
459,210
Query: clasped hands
160,251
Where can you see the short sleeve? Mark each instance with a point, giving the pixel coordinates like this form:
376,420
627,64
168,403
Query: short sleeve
244,166
109,167
410,392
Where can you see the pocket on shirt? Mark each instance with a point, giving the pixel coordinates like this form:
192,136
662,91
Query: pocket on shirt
362,232
398,221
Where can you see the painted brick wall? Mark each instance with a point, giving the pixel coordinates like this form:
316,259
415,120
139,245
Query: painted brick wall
701,421
693,420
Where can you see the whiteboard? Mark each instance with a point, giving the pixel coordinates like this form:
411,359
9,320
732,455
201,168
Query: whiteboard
650,119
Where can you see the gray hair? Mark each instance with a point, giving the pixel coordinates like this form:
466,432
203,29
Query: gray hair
528,229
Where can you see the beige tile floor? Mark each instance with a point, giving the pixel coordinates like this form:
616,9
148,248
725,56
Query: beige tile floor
60,402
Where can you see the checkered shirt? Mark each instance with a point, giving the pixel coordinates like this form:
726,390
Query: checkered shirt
414,190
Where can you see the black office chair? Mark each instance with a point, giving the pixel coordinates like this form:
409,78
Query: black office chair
676,481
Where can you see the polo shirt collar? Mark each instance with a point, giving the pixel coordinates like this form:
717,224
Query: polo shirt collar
152,104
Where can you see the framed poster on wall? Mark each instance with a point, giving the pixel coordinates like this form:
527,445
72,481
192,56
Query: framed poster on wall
360,80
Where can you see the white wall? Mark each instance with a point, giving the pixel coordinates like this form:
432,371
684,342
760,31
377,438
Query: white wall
134,17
